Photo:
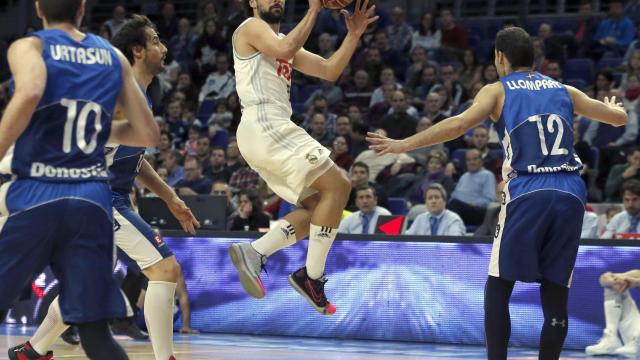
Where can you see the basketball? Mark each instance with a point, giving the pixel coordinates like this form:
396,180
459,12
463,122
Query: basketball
336,4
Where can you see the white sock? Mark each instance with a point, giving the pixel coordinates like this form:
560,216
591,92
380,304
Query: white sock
158,315
51,328
278,238
320,240
612,314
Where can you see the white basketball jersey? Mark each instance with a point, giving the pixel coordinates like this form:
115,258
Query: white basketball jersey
263,81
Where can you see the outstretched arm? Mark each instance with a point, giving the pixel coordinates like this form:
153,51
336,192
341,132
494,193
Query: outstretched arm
330,69
608,112
451,128
150,178
30,76
259,35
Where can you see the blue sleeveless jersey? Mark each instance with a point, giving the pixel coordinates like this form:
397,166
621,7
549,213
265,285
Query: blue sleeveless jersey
536,126
65,139
124,162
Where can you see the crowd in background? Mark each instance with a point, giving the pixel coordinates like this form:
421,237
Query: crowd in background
403,78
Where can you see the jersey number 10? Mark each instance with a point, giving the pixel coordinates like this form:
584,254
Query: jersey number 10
80,121
550,121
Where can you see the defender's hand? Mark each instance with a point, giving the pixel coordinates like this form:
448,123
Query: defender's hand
184,215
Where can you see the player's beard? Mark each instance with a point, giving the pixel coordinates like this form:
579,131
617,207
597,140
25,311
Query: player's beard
272,17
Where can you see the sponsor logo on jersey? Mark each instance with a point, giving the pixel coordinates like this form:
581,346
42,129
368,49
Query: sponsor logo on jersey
552,169
39,170
85,56
284,68
158,240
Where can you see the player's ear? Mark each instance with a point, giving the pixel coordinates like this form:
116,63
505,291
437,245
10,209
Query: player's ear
138,52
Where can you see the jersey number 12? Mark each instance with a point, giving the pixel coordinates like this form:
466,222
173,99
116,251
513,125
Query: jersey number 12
551,120
80,121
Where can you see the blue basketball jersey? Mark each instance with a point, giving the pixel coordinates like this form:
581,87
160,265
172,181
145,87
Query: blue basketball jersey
124,162
65,139
536,126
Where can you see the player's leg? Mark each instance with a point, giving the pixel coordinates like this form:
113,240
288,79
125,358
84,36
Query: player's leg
83,262
141,243
333,188
553,298
629,326
497,320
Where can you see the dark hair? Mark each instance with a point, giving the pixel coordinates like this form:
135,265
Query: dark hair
632,150
632,186
214,148
133,33
365,187
168,134
193,158
60,11
516,45
254,198
361,164
432,29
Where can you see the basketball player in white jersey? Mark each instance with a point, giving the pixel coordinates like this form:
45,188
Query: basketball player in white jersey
292,163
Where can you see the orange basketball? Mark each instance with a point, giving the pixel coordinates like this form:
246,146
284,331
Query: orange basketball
336,4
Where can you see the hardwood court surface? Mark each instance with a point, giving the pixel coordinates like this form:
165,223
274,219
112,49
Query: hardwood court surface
247,347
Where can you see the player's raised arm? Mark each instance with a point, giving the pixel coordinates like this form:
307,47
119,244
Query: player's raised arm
259,35
608,112
140,129
330,69
451,128
30,76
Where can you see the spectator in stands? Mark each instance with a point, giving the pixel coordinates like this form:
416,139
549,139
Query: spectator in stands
558,47
631,90
358,142
234,159
437,220
422,154
318,130
250,216
117,20
434,174
433,108
233,106
164,146
321,105
491,159
364,220
632,68
359,90
604,81
428,36
628,220
331,22
373,64
340,153
587,27
589,224
454,88
168,25
428,80
377,162
326,45
244,178
203,152
344,129
182,44
217,170
554,71
221,188
489,225
208,11
540,61
177,126
614,32
470,72
193,182
387,76
399,32
330,91
191,145
380,109
489,74
635,45
399,124
355,114
208,45
621,173
236,14
390,56
475,190
419,60
621,316
454,36
221,83
185,84
359,176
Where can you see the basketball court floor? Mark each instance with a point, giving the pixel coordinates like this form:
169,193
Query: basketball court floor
248,347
